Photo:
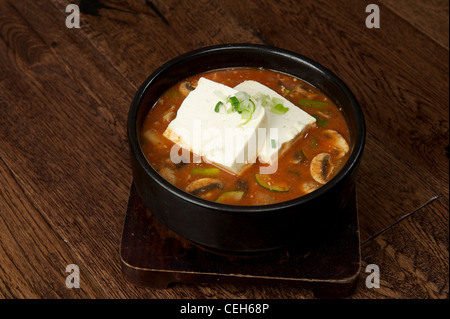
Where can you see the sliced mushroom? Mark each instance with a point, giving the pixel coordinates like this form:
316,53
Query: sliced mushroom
298,157
242,185
185,88
168,174
309,187
321,167
305,92
325,114
170,114
339,144
203,185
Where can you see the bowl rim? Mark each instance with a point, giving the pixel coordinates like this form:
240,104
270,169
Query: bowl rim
135,147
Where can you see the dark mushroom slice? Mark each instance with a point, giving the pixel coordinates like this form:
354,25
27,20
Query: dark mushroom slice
185,88
321,168
242,185
298,157
181,164
204,185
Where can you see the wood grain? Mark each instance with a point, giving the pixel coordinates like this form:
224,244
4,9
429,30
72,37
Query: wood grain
430,17
33,257
65,95
412,257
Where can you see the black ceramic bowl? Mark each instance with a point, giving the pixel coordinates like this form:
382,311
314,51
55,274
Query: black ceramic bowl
243,228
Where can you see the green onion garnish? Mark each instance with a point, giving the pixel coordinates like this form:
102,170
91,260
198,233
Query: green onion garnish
304,155
276,101
320,120
279,109
318,105
240,103
246,114
247,105
216,109
234,102
266,101
205,171
275,104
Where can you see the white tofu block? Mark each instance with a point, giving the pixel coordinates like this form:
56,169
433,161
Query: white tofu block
291,125
221,137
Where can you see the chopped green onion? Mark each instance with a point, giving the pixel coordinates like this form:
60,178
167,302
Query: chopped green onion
314,142
279,109
240,103
318,105
242,96
246,108
294,172
320,120
246,114
205,171
234,102
246,105
266,101
216,109
276,101
304,155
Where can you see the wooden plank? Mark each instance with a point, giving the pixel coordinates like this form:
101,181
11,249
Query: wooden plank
412,257
58,138
137,41
33,258
430,17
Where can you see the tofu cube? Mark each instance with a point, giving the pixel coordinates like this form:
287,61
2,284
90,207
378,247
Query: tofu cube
219,135
289,126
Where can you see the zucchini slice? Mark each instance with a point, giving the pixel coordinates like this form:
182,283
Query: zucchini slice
230,197
265,181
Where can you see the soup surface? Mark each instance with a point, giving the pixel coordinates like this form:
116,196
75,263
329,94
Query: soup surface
309,163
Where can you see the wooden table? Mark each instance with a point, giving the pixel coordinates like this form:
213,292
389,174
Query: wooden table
64,166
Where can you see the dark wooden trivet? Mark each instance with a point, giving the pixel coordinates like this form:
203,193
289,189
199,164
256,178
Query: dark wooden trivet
154,256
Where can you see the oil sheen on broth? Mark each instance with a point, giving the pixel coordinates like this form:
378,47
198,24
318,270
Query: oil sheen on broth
307,164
